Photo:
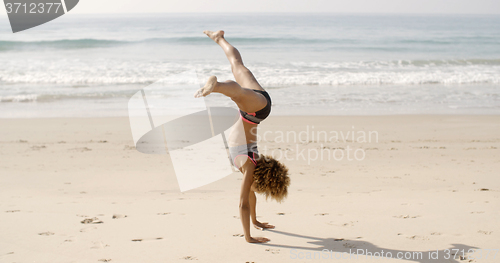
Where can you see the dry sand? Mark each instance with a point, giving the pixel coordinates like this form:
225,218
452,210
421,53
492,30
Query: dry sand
429,183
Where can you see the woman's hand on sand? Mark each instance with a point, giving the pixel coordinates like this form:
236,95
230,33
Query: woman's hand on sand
262,226
258,240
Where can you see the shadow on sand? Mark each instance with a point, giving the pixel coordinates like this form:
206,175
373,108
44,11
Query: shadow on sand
352,249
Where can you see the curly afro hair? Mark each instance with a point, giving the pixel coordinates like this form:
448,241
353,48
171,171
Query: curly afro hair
271,178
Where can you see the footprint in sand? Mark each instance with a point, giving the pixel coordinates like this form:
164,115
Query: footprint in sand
189,258
81,149
93,220
238,235
350,223
129,147
163,214
36,147
321,214
273,251
416,237
99,245
348,245
485,232
146,239
405,216
117,216
280,214
87,229
46,234
12,211
104,260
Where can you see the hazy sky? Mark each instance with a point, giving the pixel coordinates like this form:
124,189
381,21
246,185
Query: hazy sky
331,6
334,6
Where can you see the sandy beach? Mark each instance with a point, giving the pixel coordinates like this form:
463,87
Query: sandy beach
76,190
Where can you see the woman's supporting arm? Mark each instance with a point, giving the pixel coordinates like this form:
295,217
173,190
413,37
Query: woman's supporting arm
253,205
245,209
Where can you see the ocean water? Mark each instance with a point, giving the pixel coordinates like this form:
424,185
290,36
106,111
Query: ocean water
338,64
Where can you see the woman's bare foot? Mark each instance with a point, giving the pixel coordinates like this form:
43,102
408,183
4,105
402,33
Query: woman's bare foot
262,226
208,88
215,36
258,240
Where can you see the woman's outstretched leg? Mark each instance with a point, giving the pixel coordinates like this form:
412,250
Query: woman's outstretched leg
243,76
246,99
